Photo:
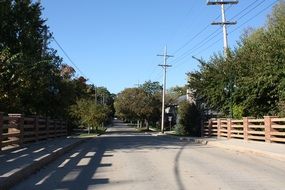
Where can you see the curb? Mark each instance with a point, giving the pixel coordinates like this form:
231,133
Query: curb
18,176
272,155
189,139
246,150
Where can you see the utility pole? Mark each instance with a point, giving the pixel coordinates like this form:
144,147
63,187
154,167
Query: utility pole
95,95
224,22
164,66
45,42
138,84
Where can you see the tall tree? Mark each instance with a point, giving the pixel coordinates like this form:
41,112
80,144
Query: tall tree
251,79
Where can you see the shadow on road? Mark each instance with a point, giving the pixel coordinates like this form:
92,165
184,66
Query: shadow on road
79,168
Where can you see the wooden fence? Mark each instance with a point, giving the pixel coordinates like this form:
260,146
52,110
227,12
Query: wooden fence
268,129
15,129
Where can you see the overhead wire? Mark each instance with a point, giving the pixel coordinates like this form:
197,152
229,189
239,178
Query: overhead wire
68,57
196,35
241,25
199,45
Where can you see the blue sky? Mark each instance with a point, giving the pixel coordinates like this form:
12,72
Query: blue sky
115,42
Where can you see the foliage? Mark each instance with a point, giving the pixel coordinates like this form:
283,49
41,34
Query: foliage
238,111
251,78
189,119
174,93
153,88
142,103
33,79
180,130
90,113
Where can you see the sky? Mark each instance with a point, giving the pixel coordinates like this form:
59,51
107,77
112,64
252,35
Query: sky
115,43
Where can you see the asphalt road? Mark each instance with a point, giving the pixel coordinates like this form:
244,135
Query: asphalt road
123,159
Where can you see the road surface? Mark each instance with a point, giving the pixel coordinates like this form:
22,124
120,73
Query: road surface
123,159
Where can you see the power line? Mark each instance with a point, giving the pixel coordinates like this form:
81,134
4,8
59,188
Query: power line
206,40
267,7
232,31
249,10
245,9
197,34
67,56
197,46
212,36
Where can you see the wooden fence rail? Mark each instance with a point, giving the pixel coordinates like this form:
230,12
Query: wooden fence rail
15,129
269,129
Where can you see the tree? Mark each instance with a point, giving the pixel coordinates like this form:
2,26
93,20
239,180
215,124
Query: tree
152,88
33,79
142,104
189,119
251,79
174,93
90,113
22,29
34,73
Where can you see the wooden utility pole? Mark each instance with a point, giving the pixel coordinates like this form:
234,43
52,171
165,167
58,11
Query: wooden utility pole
164,66
224,22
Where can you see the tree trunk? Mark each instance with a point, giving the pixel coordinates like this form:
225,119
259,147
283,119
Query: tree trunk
147,125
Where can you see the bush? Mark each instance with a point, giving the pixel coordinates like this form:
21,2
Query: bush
189,119
238,111
180,129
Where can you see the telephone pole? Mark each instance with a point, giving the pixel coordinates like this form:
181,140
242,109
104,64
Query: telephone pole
138,84
164,66
224,22
45,41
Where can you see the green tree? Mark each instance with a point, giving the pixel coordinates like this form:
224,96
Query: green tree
252,77
174,93
139,104
189,119
90,114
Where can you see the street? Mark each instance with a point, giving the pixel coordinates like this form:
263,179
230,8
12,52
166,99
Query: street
124,159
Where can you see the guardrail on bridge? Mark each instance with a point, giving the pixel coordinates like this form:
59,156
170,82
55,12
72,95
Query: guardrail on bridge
15,129
269,129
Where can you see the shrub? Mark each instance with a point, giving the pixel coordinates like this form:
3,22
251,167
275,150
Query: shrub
189,119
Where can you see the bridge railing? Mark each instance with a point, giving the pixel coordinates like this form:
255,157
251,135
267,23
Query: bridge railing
268,129
16,130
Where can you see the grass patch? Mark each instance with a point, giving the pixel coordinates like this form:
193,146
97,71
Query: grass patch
144,129
92,133
131,124
86,135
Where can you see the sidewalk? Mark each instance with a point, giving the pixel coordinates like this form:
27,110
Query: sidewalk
269,150
21,162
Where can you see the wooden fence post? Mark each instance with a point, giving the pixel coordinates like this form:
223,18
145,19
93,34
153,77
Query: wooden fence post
202,127
1,129
210,127
219,128
245,128
16,121
36,123
47,127
229,128
267,129
66,128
